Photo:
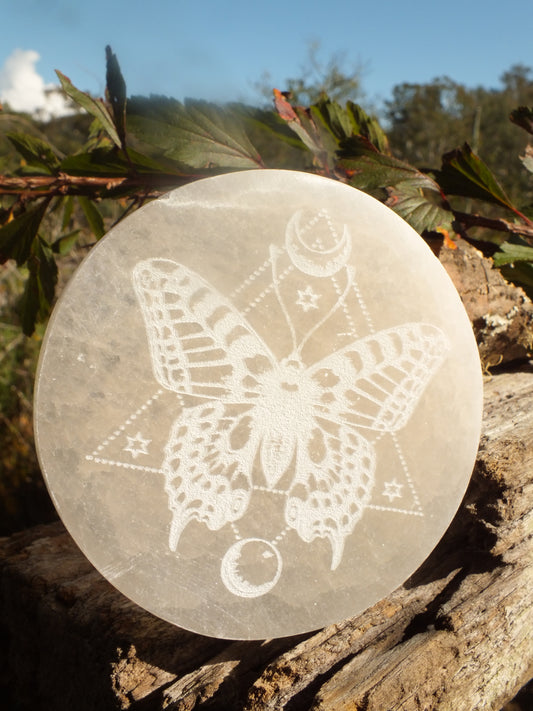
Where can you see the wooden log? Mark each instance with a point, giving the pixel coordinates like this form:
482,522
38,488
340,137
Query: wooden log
500,312
457,635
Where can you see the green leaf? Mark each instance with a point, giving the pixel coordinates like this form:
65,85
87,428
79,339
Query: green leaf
422,208
464,173
116,93
312,128
62,245
326,128
39,289
268,121
95,107
523,117
93,216
370,170
276,143
520,274
68,207
338,121
409,192
367,126
36,152
510,253
106,161
196,134
352,121
16,237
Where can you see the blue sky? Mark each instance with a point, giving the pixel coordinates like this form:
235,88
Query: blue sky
217,50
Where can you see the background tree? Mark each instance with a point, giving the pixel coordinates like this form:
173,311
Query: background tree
426,120
333,77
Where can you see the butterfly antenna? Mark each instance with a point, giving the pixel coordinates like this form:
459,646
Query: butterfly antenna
273,258
350,279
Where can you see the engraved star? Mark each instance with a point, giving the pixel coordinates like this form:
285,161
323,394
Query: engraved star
393,490
307,298
137,445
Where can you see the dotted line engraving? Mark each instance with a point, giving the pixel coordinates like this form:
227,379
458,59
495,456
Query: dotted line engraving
365,311
123,465
270,491
348,315
395,510
267,291
267,264
281,535
406,471
131,419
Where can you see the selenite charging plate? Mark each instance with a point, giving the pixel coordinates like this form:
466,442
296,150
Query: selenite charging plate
258,404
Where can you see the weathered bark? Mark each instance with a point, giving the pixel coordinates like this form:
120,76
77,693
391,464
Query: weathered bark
458,635
501,313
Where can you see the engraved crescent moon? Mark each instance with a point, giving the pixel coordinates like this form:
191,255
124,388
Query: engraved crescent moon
232,577
310,260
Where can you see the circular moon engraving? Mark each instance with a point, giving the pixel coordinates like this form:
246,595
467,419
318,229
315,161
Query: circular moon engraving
315,247
251,567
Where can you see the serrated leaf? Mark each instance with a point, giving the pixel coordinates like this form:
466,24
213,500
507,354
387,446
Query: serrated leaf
95,107
116,93
368,126
40,286
268,121
523,117
105,161
196,134
421,208
326,128
16,237
510,253
301,122
93,216
409,192
283,107
326,121
464,173
35,151
369,170
335,118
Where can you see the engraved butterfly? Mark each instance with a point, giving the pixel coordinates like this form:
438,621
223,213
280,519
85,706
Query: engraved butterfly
256,418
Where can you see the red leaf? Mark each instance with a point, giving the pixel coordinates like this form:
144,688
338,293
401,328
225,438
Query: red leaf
283,107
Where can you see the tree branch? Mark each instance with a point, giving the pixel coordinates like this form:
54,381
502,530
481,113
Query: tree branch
32,187
468,220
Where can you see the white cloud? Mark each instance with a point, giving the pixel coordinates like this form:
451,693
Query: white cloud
22,88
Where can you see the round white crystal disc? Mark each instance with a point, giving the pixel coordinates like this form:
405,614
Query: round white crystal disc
258,404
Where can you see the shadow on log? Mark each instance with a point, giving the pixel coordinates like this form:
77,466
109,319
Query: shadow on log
457,636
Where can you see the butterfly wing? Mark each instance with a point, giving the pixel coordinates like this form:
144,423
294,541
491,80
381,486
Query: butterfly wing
207,466
201,345
332,485
374,383
199,342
